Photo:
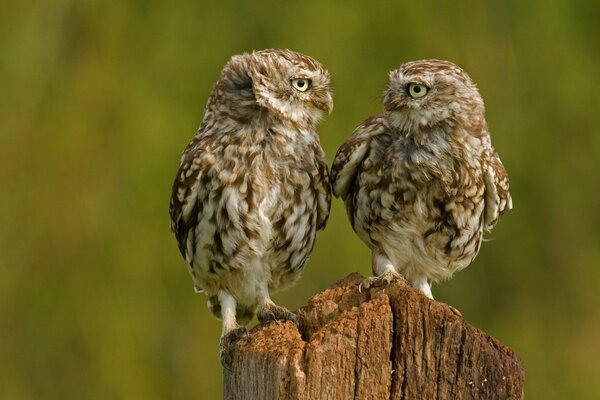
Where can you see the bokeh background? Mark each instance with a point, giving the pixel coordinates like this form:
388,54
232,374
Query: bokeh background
98,98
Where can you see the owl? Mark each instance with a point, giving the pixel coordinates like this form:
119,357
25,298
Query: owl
253,186
421,181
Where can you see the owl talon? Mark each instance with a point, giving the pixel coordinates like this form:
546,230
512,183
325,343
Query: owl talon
226,345
384,279
267,317
272,312
455,311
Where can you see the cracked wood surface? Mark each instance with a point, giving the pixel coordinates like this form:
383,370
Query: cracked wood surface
383,343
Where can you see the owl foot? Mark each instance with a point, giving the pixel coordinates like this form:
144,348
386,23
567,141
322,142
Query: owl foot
272,312
378,281
227,342
455,311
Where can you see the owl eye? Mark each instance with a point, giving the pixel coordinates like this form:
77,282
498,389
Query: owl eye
301,84
415,90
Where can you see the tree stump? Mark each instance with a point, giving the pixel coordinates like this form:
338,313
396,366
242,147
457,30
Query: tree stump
383,343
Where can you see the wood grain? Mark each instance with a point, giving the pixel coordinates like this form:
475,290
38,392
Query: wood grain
390,343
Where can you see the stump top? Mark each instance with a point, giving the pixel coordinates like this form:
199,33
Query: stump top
381,343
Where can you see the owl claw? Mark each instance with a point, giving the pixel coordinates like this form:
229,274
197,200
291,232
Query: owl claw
227,342
272,312
455,311
384,279
267,316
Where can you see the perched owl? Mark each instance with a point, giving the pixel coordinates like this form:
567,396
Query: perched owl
253,186
421,181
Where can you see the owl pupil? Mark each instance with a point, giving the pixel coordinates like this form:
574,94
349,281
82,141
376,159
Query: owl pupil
417,89
301,83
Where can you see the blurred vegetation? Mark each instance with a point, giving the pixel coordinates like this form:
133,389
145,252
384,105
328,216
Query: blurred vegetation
99,98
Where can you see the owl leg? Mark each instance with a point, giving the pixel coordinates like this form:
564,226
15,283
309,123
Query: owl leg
422,285
231,330
384,271
269,311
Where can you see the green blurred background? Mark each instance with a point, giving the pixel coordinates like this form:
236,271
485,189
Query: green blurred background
98,99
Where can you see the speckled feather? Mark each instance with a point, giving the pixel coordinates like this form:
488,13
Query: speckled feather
253,186
421,181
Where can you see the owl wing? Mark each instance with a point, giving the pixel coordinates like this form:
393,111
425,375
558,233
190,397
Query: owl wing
497,195
351,154
183,207
322,185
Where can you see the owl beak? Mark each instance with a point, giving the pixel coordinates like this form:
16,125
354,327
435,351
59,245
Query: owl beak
329,104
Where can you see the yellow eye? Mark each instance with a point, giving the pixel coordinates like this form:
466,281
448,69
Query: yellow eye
301,84
415,90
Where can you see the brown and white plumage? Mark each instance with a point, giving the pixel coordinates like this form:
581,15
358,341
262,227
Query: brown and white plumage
421,181
253,186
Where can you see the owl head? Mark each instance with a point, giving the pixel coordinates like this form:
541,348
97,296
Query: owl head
426,93
289,85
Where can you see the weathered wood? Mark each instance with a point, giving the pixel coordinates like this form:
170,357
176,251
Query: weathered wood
390,343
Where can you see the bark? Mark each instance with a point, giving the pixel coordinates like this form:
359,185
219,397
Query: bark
383,343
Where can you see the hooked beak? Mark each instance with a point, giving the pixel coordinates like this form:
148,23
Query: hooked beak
329,104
